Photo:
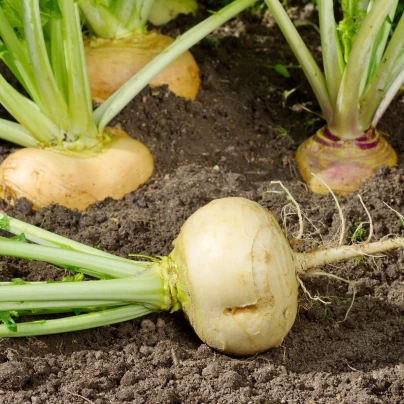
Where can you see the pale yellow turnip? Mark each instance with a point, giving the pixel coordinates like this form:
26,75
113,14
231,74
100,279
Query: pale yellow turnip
76,180
244,301
112,62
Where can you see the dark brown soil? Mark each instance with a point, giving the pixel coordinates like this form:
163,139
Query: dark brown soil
233,140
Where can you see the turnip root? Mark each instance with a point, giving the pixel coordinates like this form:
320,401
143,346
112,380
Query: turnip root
76,180
120,45
342,164
112,62
238,276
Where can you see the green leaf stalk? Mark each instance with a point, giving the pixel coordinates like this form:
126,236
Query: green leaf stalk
363,64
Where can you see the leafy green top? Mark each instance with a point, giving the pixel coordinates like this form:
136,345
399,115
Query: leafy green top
42,45
363,57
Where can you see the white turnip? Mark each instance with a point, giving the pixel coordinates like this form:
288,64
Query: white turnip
232,272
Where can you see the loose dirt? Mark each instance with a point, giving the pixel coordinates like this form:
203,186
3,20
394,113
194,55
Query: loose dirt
238,136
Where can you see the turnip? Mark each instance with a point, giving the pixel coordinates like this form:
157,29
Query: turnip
363,58
120,45
71,156
232,272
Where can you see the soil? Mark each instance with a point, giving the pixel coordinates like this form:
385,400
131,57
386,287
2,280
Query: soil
234,139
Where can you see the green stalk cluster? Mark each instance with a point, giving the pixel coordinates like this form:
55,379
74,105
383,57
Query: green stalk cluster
43,48
363,57
126,289
116,18
121,18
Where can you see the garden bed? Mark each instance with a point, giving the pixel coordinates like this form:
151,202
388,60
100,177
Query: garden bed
238,136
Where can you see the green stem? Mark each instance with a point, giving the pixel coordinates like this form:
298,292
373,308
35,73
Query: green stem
303,55
57,55
13,283
146,288
332,56
60,305
398,68
27,114
47,312
379,85
47,238
18,55
144,8
55,107
117,19
354,12
80,106
76,323
346,123
388,97
101,21
88,264
133,13
380,43
16,133
110,108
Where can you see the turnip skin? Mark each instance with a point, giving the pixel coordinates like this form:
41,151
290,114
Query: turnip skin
112,62
343,165
237,277
76,180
